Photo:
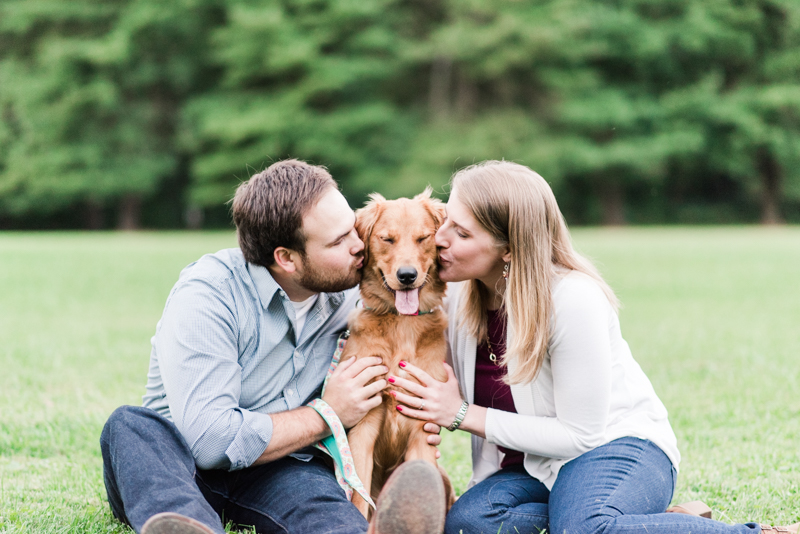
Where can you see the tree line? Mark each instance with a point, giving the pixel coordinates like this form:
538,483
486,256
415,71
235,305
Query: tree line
123,113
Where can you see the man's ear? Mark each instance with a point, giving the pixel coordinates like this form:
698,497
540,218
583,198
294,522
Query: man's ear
286,259
366,218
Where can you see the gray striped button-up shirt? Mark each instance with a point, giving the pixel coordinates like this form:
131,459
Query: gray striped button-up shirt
226,354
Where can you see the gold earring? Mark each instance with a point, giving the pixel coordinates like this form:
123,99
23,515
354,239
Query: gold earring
505,270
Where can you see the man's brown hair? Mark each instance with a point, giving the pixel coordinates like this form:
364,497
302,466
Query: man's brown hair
268,209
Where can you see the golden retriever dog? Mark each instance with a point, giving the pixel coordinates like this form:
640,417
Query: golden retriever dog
401,321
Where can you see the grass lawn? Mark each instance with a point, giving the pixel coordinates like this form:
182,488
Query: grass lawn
711,314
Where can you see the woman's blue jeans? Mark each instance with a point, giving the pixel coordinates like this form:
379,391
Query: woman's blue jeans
621,487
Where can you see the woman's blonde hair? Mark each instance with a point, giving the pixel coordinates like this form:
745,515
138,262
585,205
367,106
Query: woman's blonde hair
518,208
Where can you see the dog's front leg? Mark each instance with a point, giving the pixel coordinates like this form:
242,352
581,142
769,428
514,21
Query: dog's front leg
362,445
420,449
418,446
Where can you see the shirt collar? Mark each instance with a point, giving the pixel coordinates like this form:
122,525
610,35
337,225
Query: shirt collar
266,286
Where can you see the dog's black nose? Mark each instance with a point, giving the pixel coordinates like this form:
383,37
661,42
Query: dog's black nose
406,275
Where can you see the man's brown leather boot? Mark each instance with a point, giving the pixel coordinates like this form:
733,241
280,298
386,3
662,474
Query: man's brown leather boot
172,523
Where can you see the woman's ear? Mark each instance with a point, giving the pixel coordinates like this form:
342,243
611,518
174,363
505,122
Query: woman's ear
366,218
506,254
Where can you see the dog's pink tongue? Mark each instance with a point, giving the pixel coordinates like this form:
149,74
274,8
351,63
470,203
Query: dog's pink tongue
407,302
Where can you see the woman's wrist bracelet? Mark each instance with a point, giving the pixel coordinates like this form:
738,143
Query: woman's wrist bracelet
462,412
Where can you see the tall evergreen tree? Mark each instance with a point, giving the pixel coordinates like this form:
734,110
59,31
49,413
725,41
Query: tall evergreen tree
109,105
486,97
574,89
748,102
306,79
91,92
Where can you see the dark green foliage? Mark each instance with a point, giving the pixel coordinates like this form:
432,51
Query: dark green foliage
149,112
300,79
748,105
91,92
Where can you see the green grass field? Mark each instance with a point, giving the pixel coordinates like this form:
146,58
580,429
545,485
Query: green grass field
711,314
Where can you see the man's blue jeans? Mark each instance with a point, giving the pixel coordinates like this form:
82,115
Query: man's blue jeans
148,469
622,487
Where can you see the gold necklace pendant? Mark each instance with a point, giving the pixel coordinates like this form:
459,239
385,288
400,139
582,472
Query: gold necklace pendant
492,357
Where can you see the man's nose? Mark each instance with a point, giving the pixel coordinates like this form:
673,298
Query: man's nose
358,246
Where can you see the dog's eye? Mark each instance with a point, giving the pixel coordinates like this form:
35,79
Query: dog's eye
423,238
388,240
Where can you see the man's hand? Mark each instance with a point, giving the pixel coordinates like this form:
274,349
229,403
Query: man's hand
433,437
348,391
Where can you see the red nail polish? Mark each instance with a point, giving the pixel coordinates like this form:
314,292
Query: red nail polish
402,364
399,408
391,380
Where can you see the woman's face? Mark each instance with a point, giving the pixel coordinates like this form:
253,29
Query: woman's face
466,250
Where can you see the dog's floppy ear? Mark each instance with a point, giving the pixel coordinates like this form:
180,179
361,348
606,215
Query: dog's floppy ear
434,206
425,194
366,218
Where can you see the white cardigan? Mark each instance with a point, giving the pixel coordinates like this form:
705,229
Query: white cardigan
589,391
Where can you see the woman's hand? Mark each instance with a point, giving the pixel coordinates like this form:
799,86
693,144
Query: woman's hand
439,401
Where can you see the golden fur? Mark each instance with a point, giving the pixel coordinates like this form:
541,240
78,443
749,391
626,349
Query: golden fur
396,233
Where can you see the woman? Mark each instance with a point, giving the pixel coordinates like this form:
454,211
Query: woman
567,432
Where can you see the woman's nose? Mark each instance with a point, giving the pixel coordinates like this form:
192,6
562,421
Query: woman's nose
439,238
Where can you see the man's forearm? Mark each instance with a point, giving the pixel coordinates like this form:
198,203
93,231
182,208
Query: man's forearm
293,430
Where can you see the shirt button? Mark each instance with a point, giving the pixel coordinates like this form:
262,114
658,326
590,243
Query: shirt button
290,392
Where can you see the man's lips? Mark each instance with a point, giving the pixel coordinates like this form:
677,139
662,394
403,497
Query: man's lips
360,263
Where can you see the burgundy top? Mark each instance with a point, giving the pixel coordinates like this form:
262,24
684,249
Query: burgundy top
490,390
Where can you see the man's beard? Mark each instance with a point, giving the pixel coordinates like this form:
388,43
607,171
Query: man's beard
323,281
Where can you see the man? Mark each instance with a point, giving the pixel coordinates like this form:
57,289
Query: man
244,342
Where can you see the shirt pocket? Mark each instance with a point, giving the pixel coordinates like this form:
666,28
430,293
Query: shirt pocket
323,350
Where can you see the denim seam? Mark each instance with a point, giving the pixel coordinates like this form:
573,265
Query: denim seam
225,497
509,509
259,512
605,505
207,485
